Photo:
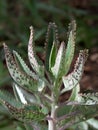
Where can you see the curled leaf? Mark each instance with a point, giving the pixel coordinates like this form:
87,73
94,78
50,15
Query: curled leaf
71,80
31,52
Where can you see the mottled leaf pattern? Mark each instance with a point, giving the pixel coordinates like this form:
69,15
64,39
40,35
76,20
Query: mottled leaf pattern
31,52
70,47
8,97
72,79
35,103
24,114
51,37
29,72
88,99
19,77
23,64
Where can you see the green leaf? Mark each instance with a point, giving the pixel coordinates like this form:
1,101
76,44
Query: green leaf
85,106
57,68
52,56
31,53
81,126
88,99
93,123
24,114
74,94
8,97
72,79
23,96
22,79
27,70
70,47
20,128
81,113
23,64
51,37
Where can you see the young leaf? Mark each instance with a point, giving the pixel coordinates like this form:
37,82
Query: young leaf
71,80
70,47
23,64
22,79
52,56
31,52
51,37
23,96
57,68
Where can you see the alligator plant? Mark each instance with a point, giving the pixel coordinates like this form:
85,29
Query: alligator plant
38,89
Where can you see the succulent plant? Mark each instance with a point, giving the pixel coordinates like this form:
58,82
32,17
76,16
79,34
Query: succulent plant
37,91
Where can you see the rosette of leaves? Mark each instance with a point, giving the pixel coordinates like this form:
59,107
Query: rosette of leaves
37,91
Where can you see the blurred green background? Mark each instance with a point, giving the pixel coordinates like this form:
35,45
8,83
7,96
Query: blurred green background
16,16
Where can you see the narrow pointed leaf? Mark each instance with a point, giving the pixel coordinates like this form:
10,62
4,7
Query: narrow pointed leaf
57,68
31,52
28,71
8,97
23,96
22,79
70,47
23,64
24,114
51,36
52,56
71,80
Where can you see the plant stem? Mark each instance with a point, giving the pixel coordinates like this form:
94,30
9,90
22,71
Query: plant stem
52,123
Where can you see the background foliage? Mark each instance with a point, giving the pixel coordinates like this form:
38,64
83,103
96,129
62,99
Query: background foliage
17,16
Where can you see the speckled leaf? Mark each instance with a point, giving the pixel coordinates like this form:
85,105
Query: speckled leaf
70,47
8,97
72,79
88,99
28,71
22,79
23,64
51,37
31,53
25,115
